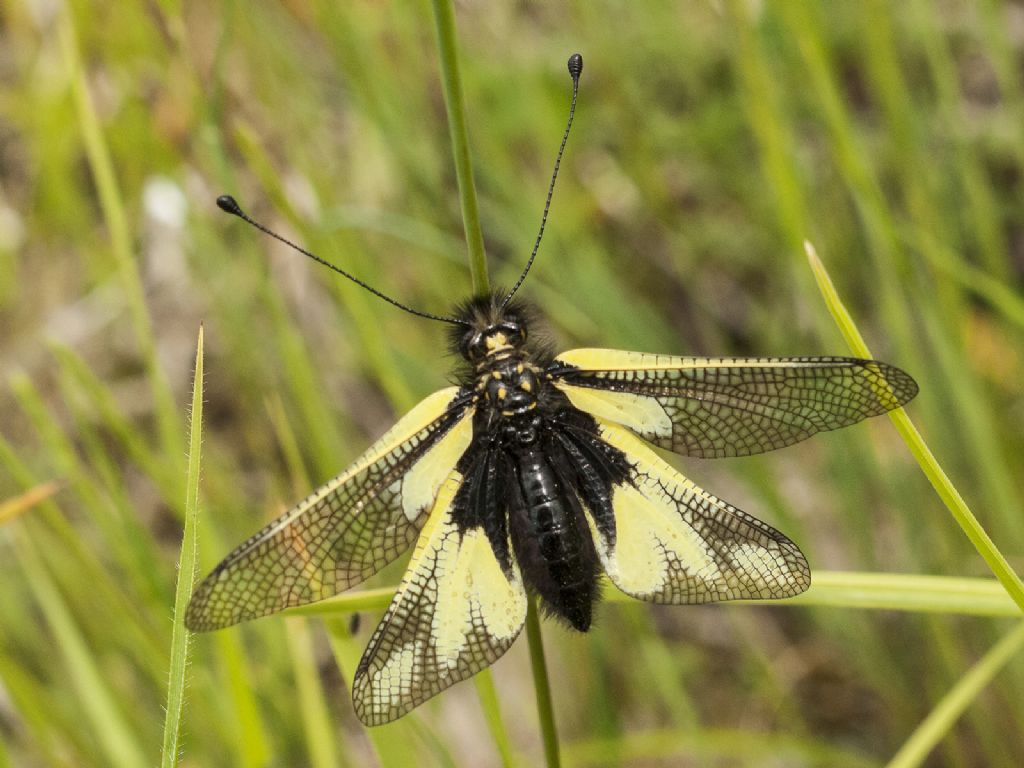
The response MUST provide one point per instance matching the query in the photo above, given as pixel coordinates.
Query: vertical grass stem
(945, 714)
(542, 687)
(444, 16)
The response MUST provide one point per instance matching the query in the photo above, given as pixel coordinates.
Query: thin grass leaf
(117, 740)
(251, 748)
(22, 503)
(946, 595)
(76, 373)
(350, 602)
(1000, 295)
(186, 574)
(33, 712)
(316, 720)
(393, 745)
(97, 488)
(321, 737)
(444, 18)
(833, 589)
(946, 712)
(542, 687)
(115, 217)
(488, 696)
(929, 465)
(712, 747)
(73, 563)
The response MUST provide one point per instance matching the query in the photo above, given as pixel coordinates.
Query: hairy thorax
(508, 383)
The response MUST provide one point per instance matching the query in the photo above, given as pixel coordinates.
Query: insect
(535, 475)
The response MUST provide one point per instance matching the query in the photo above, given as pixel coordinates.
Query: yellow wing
(348, 529)
(716, 407)
(455, 612)
(676, 543)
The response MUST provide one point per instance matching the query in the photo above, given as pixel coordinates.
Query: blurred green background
(710, 140)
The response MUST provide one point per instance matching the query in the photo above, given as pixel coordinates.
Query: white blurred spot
(43, 12)
(165, 209)
(164, 202)
(12, 229)
(302, 195)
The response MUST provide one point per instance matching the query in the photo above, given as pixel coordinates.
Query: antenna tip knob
(575, 66)
(228, 204)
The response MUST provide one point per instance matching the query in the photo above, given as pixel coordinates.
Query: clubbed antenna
(575, 69)
(228, 204)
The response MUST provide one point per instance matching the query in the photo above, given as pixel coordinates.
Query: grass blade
(186, 574)
(712, 746)
(921, 742)
(316, 720)
(488, 695)
(929, 465)
(117, 740)
(906, 592)
(392, 745)
(23, 502)
(444, 16)
(115, 217)
(542, 687)
(834, 589)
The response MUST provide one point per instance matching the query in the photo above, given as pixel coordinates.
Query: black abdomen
(551, 538)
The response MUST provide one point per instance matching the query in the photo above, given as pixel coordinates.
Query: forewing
(348, 529)
(676, 543)
(455, 613)
(717, 407)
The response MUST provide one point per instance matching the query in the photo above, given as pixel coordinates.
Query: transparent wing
(676, 543)
(455, 613)
(348, 529)
(717, 407)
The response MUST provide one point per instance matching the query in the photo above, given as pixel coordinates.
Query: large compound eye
(474, 347)
(514, 332)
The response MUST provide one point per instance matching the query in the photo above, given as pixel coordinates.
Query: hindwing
(674, 542)
(717, 407)
(455, 612)
(346, 530)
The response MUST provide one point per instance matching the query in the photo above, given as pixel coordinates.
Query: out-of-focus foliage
(710, 140)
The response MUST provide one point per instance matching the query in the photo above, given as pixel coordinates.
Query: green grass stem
(945, 714)
(316, 717)
(18, 505)
(394, 745)
(186, 573)
(833, 589)
(927, 461)
(710, 746)
(112, 205)
(491, 706)
(316, 720)
(117, 740)
(916, 593)
(444, 17)
(542, 687)
(251, 748)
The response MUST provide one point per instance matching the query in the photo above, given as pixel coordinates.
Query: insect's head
(478, 344)
(490, 328)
